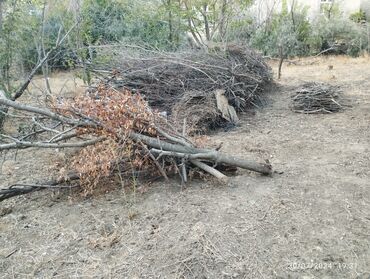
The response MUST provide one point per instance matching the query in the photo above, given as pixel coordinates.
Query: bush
(358, 17)
(16, 40)
(298, 36)
(342, 35)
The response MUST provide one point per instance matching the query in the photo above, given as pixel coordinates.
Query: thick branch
(203, 154)
(45, 112)
(16, 190)
(26, 144)
(210, 170)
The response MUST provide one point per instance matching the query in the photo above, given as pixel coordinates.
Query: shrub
(358, 16)
(342, 35)
(103, 21)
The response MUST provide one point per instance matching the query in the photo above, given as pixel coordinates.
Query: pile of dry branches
(317, 97)
(119, 134)
(199, 110)
(168, 79)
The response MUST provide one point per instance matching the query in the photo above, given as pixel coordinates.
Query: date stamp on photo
(296, 266)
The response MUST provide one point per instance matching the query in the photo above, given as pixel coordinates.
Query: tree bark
(13, 191)
(206, 23)
(1, 14)
(223, 20)
(3, 110)
(281, 61)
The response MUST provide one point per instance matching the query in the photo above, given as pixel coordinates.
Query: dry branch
(210, 170)
(21, 189)
(40, 111)
(27, 144)
(212, 156)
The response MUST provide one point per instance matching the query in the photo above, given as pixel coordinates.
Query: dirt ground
(310, 220)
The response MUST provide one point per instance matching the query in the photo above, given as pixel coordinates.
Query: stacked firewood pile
(317, 97)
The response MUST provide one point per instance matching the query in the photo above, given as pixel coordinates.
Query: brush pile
(199, 110)
(170, 80)
(317, 97)
(118, 134)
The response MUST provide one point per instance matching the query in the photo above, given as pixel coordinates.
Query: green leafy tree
(19, 24)
(288, 31)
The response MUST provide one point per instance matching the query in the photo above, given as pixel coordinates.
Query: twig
(183, 161)
(11, 253)
(324, 51)
(161, 170)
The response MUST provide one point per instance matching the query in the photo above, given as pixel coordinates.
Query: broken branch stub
(228, 112)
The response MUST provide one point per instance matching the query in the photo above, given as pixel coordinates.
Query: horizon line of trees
(31, 28)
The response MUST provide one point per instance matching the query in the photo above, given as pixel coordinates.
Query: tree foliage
(290, 30)
(342, 35)
(29, 28)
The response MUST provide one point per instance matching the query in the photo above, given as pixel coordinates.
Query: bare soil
(310, 220)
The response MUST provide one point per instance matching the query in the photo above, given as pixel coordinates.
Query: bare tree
(42, 60)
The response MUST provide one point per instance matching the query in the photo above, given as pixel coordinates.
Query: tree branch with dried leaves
(110, 127)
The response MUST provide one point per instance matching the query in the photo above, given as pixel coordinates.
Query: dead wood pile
(170, 81)
(117, 133)
(199, 110)
(318, 97)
